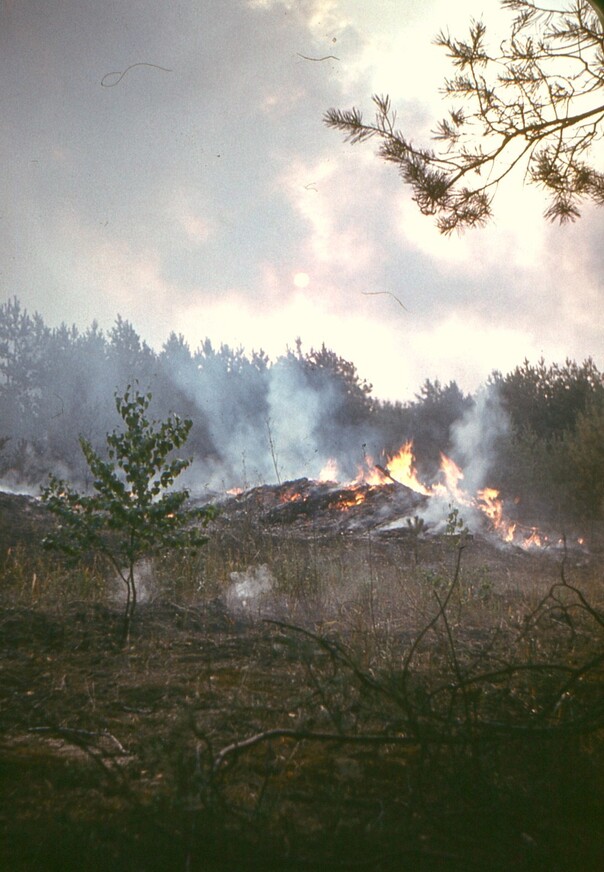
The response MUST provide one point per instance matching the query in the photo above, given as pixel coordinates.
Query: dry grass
(392, 731)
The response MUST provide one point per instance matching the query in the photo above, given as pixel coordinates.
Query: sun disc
(301, 280)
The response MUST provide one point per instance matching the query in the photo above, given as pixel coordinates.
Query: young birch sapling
(133, 512)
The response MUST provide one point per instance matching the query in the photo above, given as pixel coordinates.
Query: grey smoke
(275, 425)
(248, 589)
(475, 437)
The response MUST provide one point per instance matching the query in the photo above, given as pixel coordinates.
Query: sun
(301, 280)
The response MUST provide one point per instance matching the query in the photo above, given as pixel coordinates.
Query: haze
(168, 162)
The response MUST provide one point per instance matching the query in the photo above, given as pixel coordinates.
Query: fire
(399, 467)
(329, 472)
(451, 475)
(290, 496)
(492, 506)
(402, 469)
(369, 473)
(533, 540)
(352, 499)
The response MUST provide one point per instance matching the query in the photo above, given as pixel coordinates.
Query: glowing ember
(353, 499)
(291, 496)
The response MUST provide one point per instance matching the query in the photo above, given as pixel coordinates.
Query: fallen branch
(82, 739)
(81, 735)
(304, 736)
(485, 732)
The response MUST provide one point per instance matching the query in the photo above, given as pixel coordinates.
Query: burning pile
(386, 499)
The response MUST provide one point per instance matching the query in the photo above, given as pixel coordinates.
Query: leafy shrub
(133, 512)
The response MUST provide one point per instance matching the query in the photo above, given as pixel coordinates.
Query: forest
(299, 687)
(534, 433)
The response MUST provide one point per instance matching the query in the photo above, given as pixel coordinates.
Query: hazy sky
(200, 192)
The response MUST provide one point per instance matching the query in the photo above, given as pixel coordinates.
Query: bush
(133, 512)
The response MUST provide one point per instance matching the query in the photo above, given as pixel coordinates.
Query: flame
(368, 473)
(329, 472)
(492, 506)
(452, 475)
(399, 467)
(533, 540)
(402, 469)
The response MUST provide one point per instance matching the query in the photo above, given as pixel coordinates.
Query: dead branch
(87, 741)
(308, 736)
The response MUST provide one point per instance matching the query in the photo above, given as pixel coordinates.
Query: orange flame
(368, 473)
(533, 540)
(402, 469)
(492, 506)
(452, 475)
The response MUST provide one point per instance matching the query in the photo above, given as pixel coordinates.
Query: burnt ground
(126, 757)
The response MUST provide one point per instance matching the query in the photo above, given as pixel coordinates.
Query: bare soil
(130, 757)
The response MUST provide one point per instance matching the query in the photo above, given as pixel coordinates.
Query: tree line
(276, 418)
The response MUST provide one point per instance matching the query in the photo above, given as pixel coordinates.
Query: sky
(168, 162)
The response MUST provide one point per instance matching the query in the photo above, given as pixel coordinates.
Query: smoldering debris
(325, 508)
(385, 510)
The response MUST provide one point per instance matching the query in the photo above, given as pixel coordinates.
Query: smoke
(12, 484)
(297, 411)
(475, 437)
(254, 421)
(475, 440)
(270, 424)
(249, 589)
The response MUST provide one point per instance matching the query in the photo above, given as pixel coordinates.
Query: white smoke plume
(269, 427)
(475, 437)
